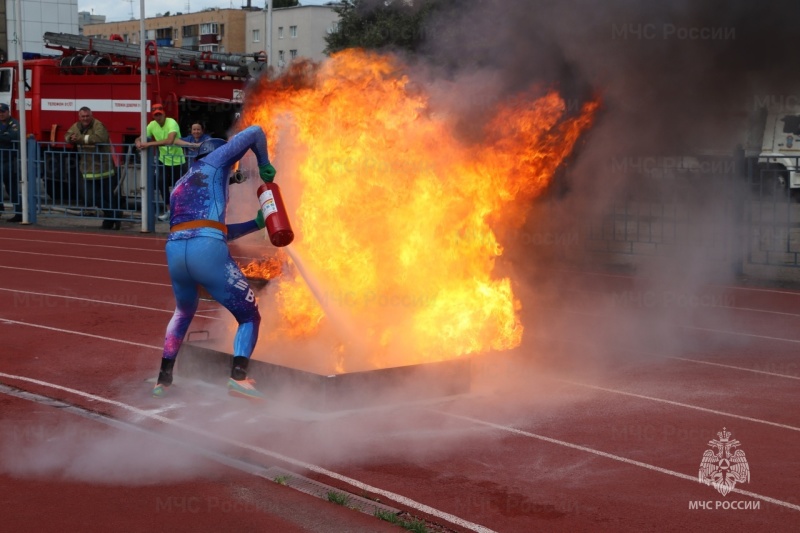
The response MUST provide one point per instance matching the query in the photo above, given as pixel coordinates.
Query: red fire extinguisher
(277, 221)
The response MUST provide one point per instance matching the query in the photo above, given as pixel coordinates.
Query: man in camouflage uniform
(97, 165)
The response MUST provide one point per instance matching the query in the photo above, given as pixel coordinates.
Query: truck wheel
(773, 181)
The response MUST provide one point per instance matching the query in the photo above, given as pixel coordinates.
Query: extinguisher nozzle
(281, 238)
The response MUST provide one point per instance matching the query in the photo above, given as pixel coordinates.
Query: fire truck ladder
(236, 65)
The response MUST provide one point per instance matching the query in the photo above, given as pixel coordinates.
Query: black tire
(772, 181)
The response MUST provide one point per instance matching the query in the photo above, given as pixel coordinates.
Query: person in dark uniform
(9, 160)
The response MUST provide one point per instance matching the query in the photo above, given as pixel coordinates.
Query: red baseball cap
(157, 109)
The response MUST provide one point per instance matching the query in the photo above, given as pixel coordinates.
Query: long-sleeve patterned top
(202, 193)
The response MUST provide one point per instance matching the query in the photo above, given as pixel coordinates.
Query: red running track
(597, 423)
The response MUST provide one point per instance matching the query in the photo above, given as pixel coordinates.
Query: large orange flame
(397, 218)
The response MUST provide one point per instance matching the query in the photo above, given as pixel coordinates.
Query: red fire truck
(104, 75)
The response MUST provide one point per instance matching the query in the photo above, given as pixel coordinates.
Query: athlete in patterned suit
(197, 253)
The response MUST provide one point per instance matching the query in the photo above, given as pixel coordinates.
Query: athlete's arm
(246, 228)
(251, 138)
(241, 229)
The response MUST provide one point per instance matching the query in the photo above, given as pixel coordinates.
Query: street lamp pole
(145, 159)
(21, 109)
(268, 24)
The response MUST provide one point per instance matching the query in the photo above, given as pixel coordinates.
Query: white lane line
(93, 258)
(710, 330)
(160, 241)
(656, 354)
(263, 451)
(754, 310)
(611, 456)
(102, 236)
(49, 328)
(103, 302)
(726, 332)
(608, 296)
(86, 276)
(68, 243)
(677, 404)
(85, 257)
(733, 367)
(625, 276)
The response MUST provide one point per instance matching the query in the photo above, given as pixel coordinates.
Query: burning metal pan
(326, 393)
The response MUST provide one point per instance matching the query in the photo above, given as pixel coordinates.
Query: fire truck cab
(780, 148)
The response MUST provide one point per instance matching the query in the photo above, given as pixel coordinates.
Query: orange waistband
(194, 224)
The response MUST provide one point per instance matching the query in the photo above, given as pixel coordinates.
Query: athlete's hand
(260, 219)
(267, 173)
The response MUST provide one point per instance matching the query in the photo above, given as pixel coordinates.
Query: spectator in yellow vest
(165, 133)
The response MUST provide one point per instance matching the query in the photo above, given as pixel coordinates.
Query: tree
(384, 24)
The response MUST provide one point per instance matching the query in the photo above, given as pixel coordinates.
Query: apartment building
(86, 18)
(212, 30)
(297, 31)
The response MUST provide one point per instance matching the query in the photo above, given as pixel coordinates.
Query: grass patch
(388, 516)
(282, 480)
(417, 526)
(339, 498)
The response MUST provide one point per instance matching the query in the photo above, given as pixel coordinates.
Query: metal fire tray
(325, 393)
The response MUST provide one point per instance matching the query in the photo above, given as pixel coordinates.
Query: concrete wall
(756, 239)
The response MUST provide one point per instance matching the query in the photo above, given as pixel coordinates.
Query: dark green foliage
(375, 24)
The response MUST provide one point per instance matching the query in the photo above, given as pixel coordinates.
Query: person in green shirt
(165, 133)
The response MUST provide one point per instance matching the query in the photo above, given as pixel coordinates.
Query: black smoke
(670, 73)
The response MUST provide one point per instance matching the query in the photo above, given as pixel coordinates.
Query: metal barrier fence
(103, 185)
(668, 206)
(731, 209)
(773, 215)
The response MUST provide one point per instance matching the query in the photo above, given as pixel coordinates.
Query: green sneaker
(244, 388)
(160, 390)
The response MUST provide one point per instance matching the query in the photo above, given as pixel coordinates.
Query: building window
(293, 31)
(293, 53)
(209, 48)
(280, 32)
(256, 36)
(191, 31)
(5, 80)
(209, 29)
(281, 56)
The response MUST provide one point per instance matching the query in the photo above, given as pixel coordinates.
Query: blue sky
(118, 10)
